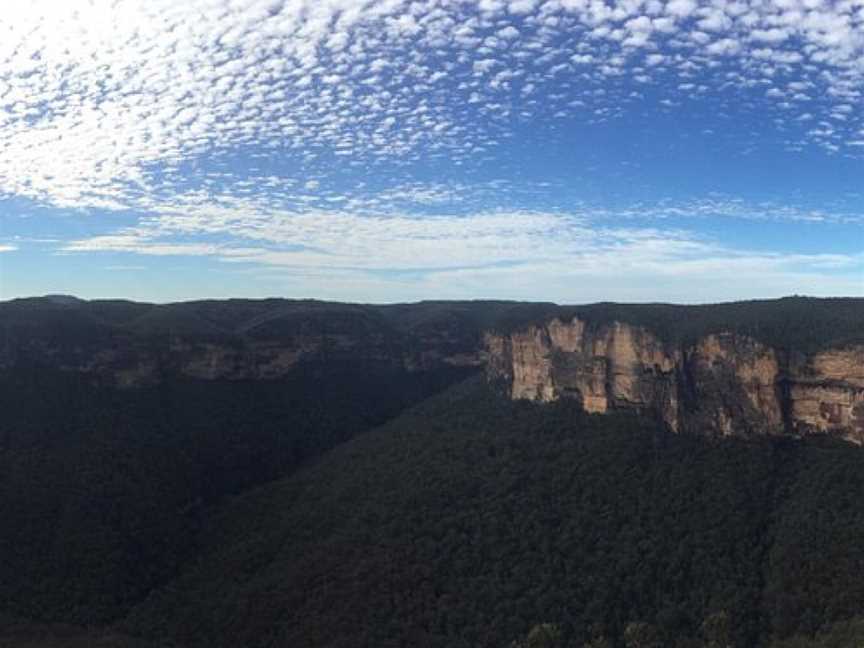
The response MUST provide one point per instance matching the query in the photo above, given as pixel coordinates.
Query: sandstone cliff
(709, 371)
(131, 362)
(132, 344)
(724, 383)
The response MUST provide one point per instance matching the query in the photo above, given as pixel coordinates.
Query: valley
(434, 474)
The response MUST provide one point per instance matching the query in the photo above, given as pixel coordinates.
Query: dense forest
(356, 501)
(804, 324)
(470, 520)
(102, 490)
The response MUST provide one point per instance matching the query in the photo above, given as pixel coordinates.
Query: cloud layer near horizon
(530, 255)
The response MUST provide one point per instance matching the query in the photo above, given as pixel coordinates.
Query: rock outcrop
(132, 363)
(132, 345)
(719, 382)
(724, 384)
(826, 393)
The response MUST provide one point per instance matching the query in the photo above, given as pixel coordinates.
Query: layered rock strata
(724, 384)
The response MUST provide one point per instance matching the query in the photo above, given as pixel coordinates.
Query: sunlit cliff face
(725, 383)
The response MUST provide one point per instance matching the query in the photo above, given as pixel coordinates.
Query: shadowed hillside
(471, 519)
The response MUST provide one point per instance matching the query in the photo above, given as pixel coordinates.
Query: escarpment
(132, 345)
(773, 367)
(826, 393)
(723, 383)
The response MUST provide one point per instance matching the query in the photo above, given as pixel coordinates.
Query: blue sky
(396, 150)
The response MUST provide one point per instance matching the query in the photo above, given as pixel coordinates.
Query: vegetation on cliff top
(802, 324)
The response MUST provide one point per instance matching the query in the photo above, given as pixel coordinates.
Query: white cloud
(489, 253)
(756, 276)
(715, 20)
(104, 103)
(681, 8)
(732, 208)
(774, 35)
(724, 46)
(509, 32)
(484, 65)
(521, 6)
(8, 247)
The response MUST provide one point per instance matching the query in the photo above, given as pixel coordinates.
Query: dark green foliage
(815, 567)
(543, 635)
(845, 634)
(801, 324)
(70, 324)
(638, 634)
(471, 520)
(18, 634)
(717, 630)
(102, 489)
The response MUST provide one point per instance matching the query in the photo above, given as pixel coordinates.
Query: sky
(398, 150)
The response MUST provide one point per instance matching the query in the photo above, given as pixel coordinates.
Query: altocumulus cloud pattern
(371, 150)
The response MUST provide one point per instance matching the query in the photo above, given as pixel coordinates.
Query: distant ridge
(64, 299)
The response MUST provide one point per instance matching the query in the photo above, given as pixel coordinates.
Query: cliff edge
(724, 383)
